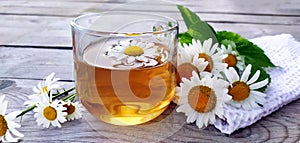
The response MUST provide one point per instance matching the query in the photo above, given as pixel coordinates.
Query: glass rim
(74, 24)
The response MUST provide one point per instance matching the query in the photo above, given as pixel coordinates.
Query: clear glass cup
(125, 65)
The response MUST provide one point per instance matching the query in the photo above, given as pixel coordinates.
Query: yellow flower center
(230, 60)
(44, 90)
(50, 113)
(239, 91)
(134, 51)
(3, 125)
(202, 98)
(185, 70)
(207, 58)
(70, 109)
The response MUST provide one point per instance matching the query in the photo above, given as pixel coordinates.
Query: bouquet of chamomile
(217, 70)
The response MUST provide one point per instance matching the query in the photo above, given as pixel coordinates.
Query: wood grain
(54, 32)
(281, 126)
(29, 63)
(36, 40)
(47, 23)
(254, 7)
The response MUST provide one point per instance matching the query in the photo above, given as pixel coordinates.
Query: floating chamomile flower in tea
(134, 52)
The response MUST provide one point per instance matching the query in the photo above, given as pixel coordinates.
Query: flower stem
(63, 93)
(26, 110)
(70, 97)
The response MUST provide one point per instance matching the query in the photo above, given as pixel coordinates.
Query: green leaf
(253, 54)
(226, 43)
(197, 28)
(189, 17)
(185, 38)
(202, 31)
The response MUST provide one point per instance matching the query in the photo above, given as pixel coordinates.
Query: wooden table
(36, 40)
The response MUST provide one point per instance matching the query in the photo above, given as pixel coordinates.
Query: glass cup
(124, 65)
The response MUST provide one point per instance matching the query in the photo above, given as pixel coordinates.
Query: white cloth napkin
(284, 51)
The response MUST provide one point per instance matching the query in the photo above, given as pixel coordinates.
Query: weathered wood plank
(35, 63)
(56, 31)
(281, 126)
(19, 66)
(266, 7)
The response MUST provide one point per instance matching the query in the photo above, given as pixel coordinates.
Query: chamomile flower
(186, 64)
(49, 84)
(243, 90)
(73, 109)
(49, 112)
(210, 53)
(202, 99)
(233, 58)
(8, 132)
(137, 53)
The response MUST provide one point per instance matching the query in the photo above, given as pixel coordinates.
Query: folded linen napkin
(284, 51)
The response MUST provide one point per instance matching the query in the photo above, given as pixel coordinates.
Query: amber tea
(123, 61)
(123, 94)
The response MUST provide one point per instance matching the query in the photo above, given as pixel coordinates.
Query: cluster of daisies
(211, 77)
(49, 109)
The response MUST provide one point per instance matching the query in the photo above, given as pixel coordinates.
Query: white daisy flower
(243, 90)
(46, 86)
(210, 53)
(186, 64)
(138, 53)
(232, 57)
(73, 110)
(8, 132)
(202, 99)
(48, 112)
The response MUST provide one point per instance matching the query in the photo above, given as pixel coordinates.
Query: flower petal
(12, 115)
(259, 84)
(199, 121)
(254, 77)
(235, 76)
(3, 107)
(246, 105)
(49, 78)
(9, 138)
(246, 73)
(16, 133)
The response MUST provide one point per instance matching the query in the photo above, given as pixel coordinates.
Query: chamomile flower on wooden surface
(210, 53)
(49, 84)
(8, 132)
(202, 99)
(73, 110)
(50, 112)
(232, 57)
(244, 89)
